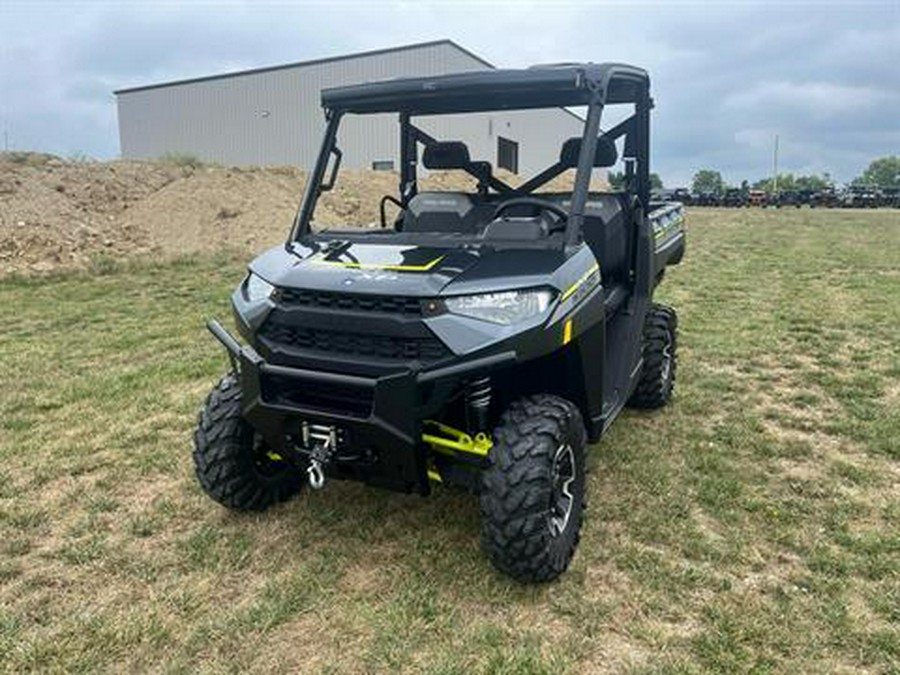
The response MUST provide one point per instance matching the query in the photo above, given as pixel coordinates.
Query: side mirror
(336, 164)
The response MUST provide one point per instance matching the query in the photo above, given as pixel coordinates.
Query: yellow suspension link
(453, 441)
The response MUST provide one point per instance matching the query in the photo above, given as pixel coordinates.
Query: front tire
(533, 491)
(657, 378)
(230, 459)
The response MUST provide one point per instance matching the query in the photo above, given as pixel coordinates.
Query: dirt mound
(56, 213)
(216, 208)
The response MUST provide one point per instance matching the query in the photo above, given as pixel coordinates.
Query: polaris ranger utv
(477, 339)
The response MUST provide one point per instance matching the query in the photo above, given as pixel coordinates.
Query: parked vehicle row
(851, 197)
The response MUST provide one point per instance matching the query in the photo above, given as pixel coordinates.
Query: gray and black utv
(479, 339)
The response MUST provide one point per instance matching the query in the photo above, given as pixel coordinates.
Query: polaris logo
(379, 276)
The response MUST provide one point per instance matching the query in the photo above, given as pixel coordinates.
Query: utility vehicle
(890, 197)
(706, 198)
(735, 198)
(479, 339)
(758, 198)
(683, 195)
(861, 197)
(789, 198)
(825, 198)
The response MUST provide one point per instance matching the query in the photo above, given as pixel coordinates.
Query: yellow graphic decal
(574, 287)
(567, 332)
(376, 266)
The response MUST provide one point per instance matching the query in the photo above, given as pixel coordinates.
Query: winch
(320, 441)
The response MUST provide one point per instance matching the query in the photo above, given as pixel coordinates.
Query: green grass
(752, 526)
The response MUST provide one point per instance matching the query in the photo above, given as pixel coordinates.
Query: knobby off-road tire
(231, 463)
(657, 379)
(530, 528)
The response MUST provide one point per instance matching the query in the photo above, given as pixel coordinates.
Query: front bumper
(379, 417)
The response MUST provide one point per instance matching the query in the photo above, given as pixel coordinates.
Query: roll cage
(568, 85)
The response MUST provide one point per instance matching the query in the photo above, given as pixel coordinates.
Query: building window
(507, 154)
(383, 165)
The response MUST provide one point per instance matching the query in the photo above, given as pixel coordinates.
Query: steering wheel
(542, 204)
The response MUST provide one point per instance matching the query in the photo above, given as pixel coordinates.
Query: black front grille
(355, 344)
(295, 297)
(325, 397)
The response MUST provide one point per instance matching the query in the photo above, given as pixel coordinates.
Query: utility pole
(775, 171)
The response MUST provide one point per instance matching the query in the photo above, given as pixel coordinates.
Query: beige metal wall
(275, 117)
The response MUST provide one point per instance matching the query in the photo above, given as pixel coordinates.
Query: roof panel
(538, 87)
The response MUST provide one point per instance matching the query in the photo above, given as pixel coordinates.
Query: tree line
(883, 172)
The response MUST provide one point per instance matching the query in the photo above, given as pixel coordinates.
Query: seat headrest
(605, 155)
(446, 155)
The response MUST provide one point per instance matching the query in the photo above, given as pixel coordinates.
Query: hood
(411, 271)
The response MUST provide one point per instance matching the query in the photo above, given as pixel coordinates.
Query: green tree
(883, 172)
(788, 181)
(812, 182)
(655, 182)
(768, 184)
(707, 180)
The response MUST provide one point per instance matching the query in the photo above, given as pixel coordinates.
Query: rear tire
(657, 378)
(533, 492)
(230, 459)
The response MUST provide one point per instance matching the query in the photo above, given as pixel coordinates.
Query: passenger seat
(605, 231)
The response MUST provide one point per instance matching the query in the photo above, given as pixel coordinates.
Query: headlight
(256, 288)
(505, 308)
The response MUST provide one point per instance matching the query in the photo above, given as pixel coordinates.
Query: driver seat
(450, 155)
(450, 212)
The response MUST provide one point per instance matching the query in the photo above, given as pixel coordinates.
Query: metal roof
(303, 64)
(536, 87)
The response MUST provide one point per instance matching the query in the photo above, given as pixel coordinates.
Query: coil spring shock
(478, 404)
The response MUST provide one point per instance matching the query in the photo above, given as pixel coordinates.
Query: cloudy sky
(727, 76)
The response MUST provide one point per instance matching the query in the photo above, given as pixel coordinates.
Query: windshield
(524, 175)
(482, 155)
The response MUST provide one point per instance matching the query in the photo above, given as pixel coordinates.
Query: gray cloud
(727, 76)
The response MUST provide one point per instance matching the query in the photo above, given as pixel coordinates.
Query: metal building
(272, 116)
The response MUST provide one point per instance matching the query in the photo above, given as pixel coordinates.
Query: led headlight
(506, 308)
(256, 288)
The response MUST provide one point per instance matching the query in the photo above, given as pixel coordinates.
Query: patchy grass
(753, 526)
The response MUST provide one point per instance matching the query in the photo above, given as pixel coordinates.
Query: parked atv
(479, 339)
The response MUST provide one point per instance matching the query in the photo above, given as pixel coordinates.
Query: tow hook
(323, 440)
(315, 474)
